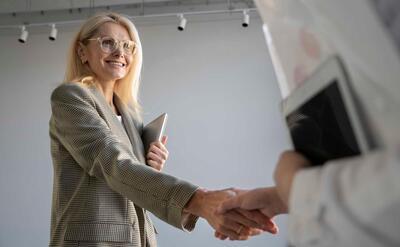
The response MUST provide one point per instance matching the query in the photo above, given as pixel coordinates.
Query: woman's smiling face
(108, 65)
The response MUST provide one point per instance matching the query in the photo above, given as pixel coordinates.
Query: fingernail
(269, 224)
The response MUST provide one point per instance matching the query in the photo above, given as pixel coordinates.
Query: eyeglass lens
(110, 45)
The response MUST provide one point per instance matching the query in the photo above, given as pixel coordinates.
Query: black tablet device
(322, 117)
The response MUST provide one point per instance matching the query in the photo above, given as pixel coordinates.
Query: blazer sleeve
(85, 134)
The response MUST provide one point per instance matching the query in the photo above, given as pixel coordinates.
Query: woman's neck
(107, 88)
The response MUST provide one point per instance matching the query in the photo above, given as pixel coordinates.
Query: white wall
(215, 80)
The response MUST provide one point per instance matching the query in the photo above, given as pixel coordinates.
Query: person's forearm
(274, 200)
(284, 185)
(288, 166)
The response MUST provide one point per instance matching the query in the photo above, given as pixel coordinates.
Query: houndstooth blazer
(102, 186)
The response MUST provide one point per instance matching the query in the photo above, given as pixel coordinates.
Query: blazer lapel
(129, 134)
(133, 134)
(109, 115)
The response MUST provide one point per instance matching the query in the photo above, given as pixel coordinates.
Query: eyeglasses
(110, 45)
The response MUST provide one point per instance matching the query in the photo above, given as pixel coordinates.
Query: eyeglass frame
(99, 40)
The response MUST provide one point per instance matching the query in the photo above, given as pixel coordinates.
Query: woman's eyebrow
(108, 35)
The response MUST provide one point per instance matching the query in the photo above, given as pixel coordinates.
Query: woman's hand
(255, 205)
(290, 162)
(157, 154)
(232, 224)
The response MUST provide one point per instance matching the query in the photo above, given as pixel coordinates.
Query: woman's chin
(117, 76)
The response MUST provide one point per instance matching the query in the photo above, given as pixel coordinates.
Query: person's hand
(233, 225)
(255, 205)
(157, 154)
(266, 200)
(290, 162)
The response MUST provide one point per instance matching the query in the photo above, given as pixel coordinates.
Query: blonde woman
(103, 181)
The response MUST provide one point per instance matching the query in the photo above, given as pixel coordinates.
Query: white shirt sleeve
(349, 202)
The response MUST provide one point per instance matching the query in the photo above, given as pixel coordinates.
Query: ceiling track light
(24, 35)
(246, 18)
(181, 27)
(182, 22)
(53, 32)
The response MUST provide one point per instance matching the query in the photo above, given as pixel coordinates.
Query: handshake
(240, 214)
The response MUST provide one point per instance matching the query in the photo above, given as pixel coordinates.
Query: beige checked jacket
(102, 186)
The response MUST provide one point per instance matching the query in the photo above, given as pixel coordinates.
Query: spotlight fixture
(246, 19)
(53, 32)
(24, 35)
(182, 22)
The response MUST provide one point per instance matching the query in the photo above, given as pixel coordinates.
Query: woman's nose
(119, 51)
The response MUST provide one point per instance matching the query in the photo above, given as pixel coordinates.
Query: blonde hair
(126, 88)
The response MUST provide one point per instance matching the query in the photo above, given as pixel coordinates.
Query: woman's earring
(83, 61)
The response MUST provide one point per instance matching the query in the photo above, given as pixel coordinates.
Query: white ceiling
(9, 6)
(14, 13)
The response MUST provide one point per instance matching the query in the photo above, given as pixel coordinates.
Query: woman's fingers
(241, 234)
(155, 157)
(232, 228)
(236, 216)
(255, 232)
(159, 149)
(220, 235)
(164, 140)
(252, 219)
(252, 232)
(228, 224)
(160, 145)
(262, 221)
(155, 165)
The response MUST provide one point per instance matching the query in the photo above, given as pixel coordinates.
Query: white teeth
(116, 63)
